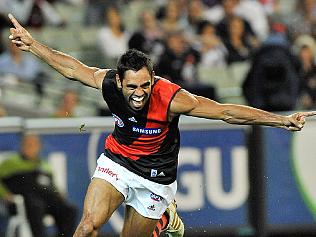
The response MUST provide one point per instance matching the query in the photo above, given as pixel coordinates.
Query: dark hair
(134, 60)
(202, 24)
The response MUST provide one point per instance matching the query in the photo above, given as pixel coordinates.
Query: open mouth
(137, 102)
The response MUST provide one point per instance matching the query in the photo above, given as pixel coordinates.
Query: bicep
(193, 105)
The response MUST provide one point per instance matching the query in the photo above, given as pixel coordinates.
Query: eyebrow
(142, 85)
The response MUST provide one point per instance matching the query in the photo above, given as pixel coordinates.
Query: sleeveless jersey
(144, 141)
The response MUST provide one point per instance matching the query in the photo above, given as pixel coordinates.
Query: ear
(118, 81)
(153, 77)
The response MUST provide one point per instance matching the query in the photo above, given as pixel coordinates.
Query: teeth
(138, 99)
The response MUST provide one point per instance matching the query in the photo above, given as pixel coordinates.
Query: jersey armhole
(168, 110)
(110, 74)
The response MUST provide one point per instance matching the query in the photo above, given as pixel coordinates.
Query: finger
(14, 21)
(17, 42)
(308, 114)
(12, 30)
(14, 36)
(292, 128)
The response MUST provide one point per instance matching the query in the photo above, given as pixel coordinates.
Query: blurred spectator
(238, 43)
(67, 107)
(133, 11)
(112, 38)
(306, 47)
(34, 13)
(194, 16)
(179, 62)
(148, 38)
(254, 13)
(27, 174)
(211, 3)
(278, 33)
(3, 111)
(273, 80)
(229, 12)
(18, 66)
(95, 9)
(171, 19)
(213, 52)
(282, 7)
(303, 20)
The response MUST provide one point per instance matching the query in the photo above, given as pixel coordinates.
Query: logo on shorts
(108, 172)
(153, 173)
(118, 121)
(155, 197)
(151, 207)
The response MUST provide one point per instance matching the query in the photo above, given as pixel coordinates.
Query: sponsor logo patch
(153, 173)
(132, 119)
(161, 174)
(118, 121)
(108, 172)
(155, 197)
(151, 207)
(147, 131)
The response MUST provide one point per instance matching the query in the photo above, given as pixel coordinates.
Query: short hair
(134, 60)
(202, 24)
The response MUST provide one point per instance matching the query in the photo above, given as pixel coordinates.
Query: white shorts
(148, 198)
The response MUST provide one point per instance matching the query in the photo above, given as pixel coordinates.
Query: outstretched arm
(197, 106)
(63, 63)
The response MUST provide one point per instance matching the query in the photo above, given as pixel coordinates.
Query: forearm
(63, 63)
(240, 114)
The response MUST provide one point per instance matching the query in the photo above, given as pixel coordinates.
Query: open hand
(296, 121)
(19, 35)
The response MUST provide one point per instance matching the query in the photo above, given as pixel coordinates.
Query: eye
(131, 87)
(146, 85)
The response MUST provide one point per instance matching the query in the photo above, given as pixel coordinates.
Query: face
(31, 147)
(306, 55)
(176, 43)
(236, 26)
(70, 100)
(229, 6)
(113, 17)
(136, 87)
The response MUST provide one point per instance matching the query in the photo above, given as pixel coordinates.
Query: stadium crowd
(261, 52)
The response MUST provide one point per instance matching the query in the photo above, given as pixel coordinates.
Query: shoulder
(164, 86)
(10, 162)
(182, 103)
(99, 76)
(109, 87)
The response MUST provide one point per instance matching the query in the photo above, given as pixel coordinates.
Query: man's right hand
(19, 35)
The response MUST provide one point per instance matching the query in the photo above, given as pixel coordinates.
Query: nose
(139, 92)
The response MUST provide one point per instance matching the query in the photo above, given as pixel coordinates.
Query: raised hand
(296, 121)
(19, 35)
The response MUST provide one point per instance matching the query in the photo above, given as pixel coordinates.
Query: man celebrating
(139, 163)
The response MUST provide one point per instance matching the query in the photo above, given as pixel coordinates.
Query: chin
(136, 109)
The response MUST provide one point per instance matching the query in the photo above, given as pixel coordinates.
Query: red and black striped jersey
(144, 141)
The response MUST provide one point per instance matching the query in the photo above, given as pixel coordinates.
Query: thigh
(101, 200)
(136, 225)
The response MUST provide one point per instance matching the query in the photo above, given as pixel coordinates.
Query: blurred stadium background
(233, 181)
